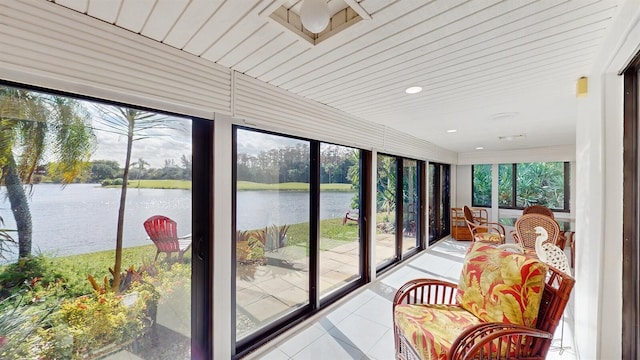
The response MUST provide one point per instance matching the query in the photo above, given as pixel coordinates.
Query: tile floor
(360, 326)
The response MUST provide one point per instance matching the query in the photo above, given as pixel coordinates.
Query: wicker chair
(484, 340)
(526, 235)
(541, 209)
(484, 231)
(538, 209)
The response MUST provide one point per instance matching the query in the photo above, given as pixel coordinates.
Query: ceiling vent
(343, 14)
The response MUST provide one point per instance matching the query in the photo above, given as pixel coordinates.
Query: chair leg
(157, 253)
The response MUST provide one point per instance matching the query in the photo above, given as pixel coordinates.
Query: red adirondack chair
(164, 233)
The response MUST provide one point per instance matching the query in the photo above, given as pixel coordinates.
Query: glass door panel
(340, 247)
(272, 228)
(410, 201)
(386, 210)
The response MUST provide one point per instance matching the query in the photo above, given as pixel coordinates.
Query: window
(53, 235)
(481, 185)
(299, 237)
(524, 184)
(340, 245)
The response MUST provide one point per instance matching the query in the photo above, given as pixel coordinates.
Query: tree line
(97, 171)
(292, 164)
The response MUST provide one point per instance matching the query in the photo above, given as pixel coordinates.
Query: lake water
(83, 218)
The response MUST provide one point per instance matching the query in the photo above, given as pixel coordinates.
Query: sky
(163, 144)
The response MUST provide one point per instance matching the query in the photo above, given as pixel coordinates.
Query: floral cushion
(501, 286)
(488, 238)
(431, 329)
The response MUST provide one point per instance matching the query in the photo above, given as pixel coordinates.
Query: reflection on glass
(410, 194)
(54, 236)
(439, 202)
(339, 221)
(386, 209)
(445, 207)
(272, 228)
(433, 230)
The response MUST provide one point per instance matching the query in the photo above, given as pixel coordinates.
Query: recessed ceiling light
(413, 89)
(480, 148)
(452, 131)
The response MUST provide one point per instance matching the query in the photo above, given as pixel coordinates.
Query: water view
(82, 218)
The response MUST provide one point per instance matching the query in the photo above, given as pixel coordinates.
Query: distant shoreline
(248, 185)
(242, 185)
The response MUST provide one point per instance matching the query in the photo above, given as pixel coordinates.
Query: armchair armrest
(496, 227)
(426, 291)
(495, 340)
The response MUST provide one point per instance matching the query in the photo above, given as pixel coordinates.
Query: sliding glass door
(439, 201)
(298, 230)
(399, 199)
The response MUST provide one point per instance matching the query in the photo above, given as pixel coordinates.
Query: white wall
(463, 186)
(599, 181)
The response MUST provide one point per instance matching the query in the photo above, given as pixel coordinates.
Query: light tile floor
(360, 325)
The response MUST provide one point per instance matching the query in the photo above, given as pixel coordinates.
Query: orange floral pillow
(501, 286)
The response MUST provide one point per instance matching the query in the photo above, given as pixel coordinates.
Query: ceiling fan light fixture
(315, 15)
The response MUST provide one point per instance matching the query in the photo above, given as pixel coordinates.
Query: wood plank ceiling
(488, 68)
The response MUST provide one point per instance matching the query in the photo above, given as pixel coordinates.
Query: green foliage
(536, 183)
(5, 239)
(106, 182)
(354, 176)
(45, 277)
(505, 185)
(56, 319)
(169, 279)
(33, 125)
(250, 247)
(104, 169)
(387, 183)
(86, 324)
(482, 185)
(18, 322)
(540, 183)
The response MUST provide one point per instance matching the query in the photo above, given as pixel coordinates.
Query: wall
(463, 186)
(599, 134)
(551, 153)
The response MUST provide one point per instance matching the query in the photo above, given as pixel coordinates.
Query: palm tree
(140, 164)
(136, 125)
(34, 125)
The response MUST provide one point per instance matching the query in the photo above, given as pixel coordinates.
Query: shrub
(42, 274)
(86, 324)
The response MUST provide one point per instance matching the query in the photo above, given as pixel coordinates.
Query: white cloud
(163, 144)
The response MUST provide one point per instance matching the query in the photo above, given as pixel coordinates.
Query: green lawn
(161, 184)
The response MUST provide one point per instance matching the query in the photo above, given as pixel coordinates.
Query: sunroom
(304, 165)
